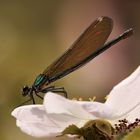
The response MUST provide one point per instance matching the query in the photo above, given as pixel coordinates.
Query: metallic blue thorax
(39, 81)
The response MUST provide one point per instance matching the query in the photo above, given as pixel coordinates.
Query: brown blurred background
(35, 32)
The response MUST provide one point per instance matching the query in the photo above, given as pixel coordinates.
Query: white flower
(57, 112)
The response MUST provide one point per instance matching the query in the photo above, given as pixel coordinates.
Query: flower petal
(35, 121)
(32, 119)
(99, 110)
(55, 103)
(83, 109)
(125, 96)
(131, 117)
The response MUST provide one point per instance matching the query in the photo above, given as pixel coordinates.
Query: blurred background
(34, 33)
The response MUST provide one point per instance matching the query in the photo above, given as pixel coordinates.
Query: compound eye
(25, 90)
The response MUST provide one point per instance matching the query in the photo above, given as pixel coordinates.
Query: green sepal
(119, 136)
(72, 130)
(134, 135)
(92, 130)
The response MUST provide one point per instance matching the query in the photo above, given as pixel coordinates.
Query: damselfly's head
(25, 90)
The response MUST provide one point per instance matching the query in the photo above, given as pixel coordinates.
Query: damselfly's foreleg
(32, 98)
(24, 102)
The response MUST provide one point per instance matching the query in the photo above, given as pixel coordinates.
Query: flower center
(124, 127)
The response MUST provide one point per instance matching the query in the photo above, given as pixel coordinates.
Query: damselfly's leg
(38, 96)
(32, 98)
(60, 90)
(44, 91)
(25, 102)
(56, 89)
(48, 88)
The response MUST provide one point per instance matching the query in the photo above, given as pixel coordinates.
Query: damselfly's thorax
(37, 86)
(41, 81)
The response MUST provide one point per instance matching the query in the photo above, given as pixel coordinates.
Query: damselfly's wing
(82, 50)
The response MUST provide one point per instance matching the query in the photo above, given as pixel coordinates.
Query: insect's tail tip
(128, 33)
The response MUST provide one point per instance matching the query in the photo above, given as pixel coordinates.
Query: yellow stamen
(92, 99)
(80, 99)
(74, 99)
(106, 97)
